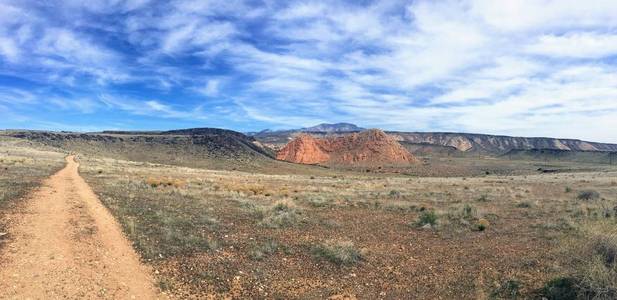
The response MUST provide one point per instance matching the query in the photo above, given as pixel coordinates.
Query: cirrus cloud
(509, 67)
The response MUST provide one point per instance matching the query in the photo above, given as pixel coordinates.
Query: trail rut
(66, 244)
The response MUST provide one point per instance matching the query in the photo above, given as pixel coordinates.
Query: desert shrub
(268, 248)
(524, 204)
(568, 189)
(510, 289)
(483, 198)
(156, 182)
(394, 194)
(400, 206)
(605, 247)
(338, 252)
(561, 224)
(427, 217)
(153, 182)
(469, 211)
(483, 224)
(588, 195)
(562, 288)
(460, 217)
(282, 214)
(593, 263)
(256, 189)
(164, 284)
(319, 201)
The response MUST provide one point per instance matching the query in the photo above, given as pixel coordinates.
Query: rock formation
(305, 149)
(370, 147)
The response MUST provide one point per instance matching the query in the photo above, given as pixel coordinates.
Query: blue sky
(530, 68)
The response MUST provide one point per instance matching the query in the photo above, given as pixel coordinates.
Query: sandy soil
(66, 244)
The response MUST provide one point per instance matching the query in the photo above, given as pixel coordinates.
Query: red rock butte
(371, 147)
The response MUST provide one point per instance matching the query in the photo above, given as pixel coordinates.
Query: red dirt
(67, 245)
(370, 147)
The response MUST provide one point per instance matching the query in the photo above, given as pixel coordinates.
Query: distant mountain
(464, 142)
(329, 128)
(321, 128)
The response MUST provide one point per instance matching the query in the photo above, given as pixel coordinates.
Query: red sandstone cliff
(370, 147)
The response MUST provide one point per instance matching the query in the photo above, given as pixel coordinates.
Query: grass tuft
(338, 252)
(282, 214)
(588, 195)
(259, 252)
(427, 217)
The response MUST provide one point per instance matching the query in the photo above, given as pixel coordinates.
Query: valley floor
(505, 231)
(250, 235)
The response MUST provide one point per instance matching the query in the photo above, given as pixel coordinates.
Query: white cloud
(154, 108)
(512, 66)
(9, 49)
(575, 45)
(212, 88)
(542, 15)
(66, 44)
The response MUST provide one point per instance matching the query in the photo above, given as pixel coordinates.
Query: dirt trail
(67, 245)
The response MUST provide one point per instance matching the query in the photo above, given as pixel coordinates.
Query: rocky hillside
(494, 144)
(465, 142)
(202, 147)
(371, 147)
(552, 155)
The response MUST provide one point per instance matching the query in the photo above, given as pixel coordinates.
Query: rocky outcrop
(370, 147)
(305, 149)
(465, 142)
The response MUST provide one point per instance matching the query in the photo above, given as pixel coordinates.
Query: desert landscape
(221, 217)
(308, 149)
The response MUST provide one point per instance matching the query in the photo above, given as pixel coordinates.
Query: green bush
(563, 288)
(427, 217)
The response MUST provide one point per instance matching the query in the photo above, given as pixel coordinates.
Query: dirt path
(67, 245)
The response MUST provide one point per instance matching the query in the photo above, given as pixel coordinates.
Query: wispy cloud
(153, 108)
(513, 67)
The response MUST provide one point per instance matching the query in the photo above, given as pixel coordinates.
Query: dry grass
(218, 225)
(342, 253)
(592, 262)
(22, 168)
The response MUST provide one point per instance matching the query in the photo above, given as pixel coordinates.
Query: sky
(524, 68)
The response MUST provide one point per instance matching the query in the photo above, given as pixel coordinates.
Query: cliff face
(304, 149)
(498, 144)
(371, 147)
(466, 142)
